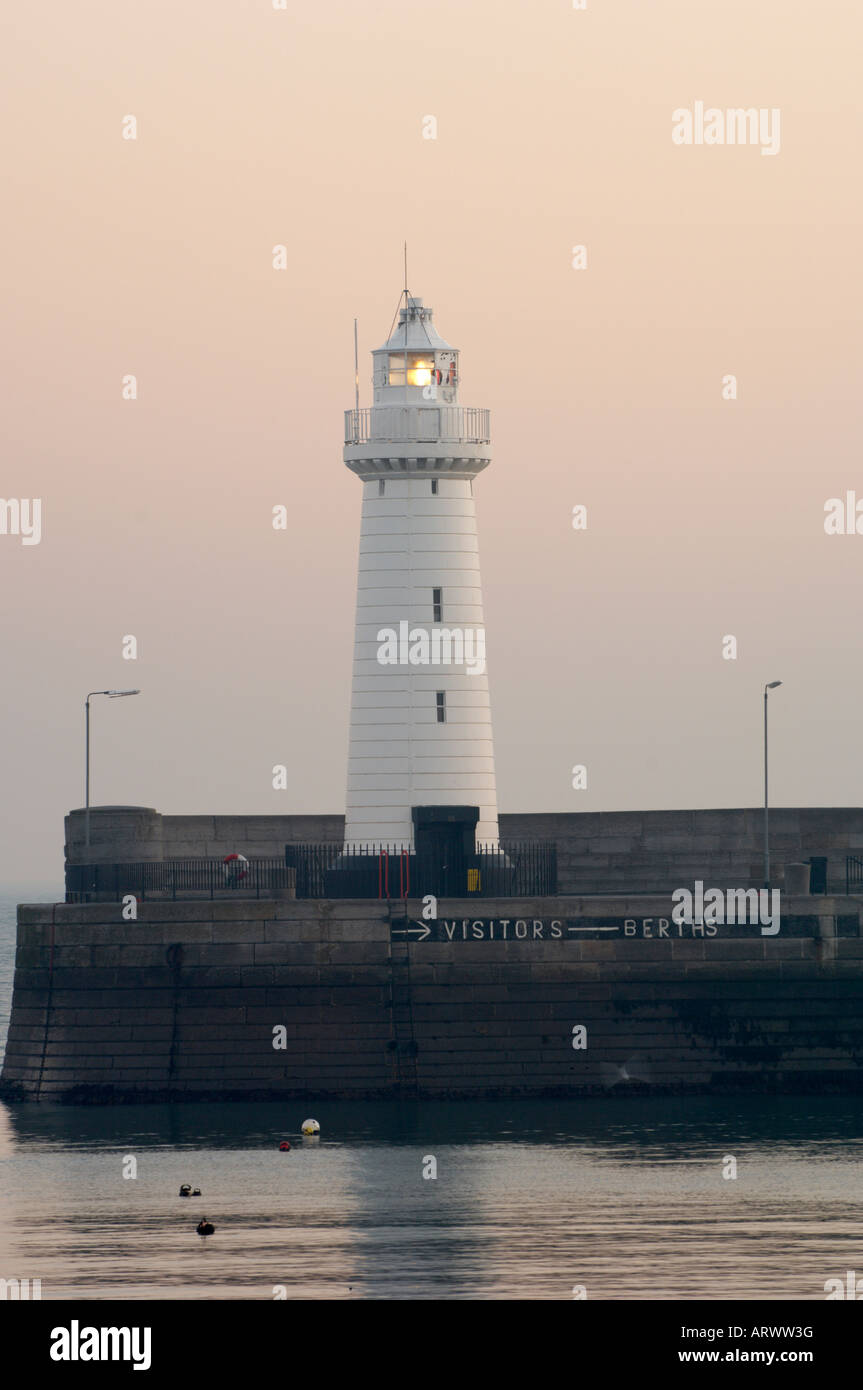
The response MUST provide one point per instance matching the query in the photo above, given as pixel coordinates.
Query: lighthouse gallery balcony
(450, 424)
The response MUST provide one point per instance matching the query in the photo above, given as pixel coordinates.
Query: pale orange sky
(304, 127)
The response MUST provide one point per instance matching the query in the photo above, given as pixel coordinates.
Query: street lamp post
(112, 695)
(771, 685)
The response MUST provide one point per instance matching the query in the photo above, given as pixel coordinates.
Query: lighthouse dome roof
(414, 330)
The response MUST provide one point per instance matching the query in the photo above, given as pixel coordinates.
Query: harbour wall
(189, 1001)
(597, 852)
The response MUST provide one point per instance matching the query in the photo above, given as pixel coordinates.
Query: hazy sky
(304, 127)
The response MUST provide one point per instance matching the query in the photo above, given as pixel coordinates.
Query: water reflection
(625, 1196)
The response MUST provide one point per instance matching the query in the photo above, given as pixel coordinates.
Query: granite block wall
(598, 852)
(184, 1001)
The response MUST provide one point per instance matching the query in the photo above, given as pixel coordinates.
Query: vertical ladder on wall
(403, 1044)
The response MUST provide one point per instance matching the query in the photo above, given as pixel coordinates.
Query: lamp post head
(115, 694)
(771, 685)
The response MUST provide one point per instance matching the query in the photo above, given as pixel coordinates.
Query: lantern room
(415, 365)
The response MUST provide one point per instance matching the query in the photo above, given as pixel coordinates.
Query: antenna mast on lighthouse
(356, 372)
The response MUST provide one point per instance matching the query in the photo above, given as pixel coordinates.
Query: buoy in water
(205, 1227)
(284, 1146)
(311, 1127)
(186, 1190)
(196, 1191)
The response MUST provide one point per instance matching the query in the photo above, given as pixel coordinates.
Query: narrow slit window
(440, 699)
(437, 605)
(381, 487)
(434, 482)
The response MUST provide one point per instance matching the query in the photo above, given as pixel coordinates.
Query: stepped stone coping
(348, 909)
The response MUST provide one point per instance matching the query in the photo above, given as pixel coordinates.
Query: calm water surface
(625, 1196)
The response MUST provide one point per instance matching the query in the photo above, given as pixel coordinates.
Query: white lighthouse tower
(421, 761)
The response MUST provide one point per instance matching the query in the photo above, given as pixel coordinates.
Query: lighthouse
(421, 759)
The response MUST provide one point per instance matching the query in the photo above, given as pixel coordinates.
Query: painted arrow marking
(422, 927)
(593, 929)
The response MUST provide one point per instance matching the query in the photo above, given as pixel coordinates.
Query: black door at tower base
(444, 862)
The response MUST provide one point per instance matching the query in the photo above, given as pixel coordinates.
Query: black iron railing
(176, 878)
(853, 874)
(509, 870)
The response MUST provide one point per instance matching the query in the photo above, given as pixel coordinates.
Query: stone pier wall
(597, 852)
(184, 1001)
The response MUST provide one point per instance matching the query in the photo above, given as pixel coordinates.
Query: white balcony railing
(449, 424)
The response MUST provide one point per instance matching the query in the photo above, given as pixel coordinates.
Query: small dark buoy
(205, 1227)
(185, 1190)
(284, 1147)
(196, 1191)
